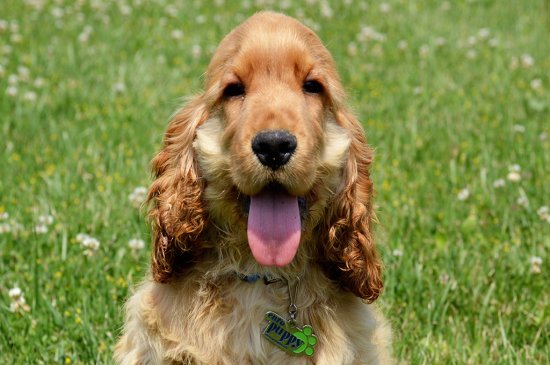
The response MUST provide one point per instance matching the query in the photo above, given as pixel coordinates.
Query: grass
(452, 95)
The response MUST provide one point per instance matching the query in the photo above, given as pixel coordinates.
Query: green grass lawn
(454, 99)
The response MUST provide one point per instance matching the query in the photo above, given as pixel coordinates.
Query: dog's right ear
(177, 211)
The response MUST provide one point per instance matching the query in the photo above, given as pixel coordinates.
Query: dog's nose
(274, 147)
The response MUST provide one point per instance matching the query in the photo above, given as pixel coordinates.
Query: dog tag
(289, 338)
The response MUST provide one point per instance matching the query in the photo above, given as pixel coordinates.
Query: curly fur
(192, 308)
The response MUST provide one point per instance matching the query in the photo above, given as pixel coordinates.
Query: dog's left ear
(177, 211)
(350, 255)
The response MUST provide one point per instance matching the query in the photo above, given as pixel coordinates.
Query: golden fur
(193, 308)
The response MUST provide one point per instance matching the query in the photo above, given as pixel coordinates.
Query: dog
(262, 217)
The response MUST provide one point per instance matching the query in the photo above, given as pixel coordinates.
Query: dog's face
(276, 160)
(271, 130)
(273, 104)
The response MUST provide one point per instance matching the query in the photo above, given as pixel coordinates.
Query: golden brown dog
(263, 176)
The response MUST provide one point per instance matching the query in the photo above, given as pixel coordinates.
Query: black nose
(274, 147)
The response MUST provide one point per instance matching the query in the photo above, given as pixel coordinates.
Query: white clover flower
(484, 33)
(444, 278)
(285, 4)
(397, 253)
(9, 226)
(418, 90)
(81, 237)
(200, 19)
(196, 50)
(424, 50)
(514, 173)
(19, 306)
(536, 84)
(326, 10)
(84, 37)
(544, 213)
(523, 201)
(57, 12)
(13, 80)
(41, 229)
(385, 8)
(513, 176)
(3, 25)
(471, 54)
(177, 34)
(125, 9)
(14, 27)
(39, 82)
(4, 216)
(519, 128)
(499, 183)
(5, 227)
(368, 33)
(472, 40)
(15, 293)
(493, 42)
(136, 244)
(23, 73)
(463, 194)
(402, 44)
(527, 60)
(440, 41)
(11, 91)
(18, 302)
(119, 87)
(91, 243)
(138, 196)
(543, 136)
(88, 242)
(536, 263)
(29, 96)
(46, 219)
(16, 38)
(171, 10)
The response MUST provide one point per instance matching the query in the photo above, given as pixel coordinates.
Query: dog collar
(252, 278)
(285, 334)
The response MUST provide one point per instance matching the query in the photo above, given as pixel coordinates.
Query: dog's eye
(313, 87)
(234, 89)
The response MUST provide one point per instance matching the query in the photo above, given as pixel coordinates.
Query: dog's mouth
(274, 225)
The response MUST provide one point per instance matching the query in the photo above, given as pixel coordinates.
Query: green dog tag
(289, 338)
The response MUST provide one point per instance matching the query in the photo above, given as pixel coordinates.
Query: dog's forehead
(269, 43)
(274, 53)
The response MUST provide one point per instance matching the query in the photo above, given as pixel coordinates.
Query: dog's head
(268, 155)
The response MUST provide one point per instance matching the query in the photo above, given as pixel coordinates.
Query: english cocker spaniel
(262, 211)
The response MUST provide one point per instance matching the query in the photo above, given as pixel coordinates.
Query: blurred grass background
(454, 99)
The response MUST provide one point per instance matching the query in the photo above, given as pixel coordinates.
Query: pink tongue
(273, 227)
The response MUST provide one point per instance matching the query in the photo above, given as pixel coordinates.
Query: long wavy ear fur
(350, 257)
(177, 211)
